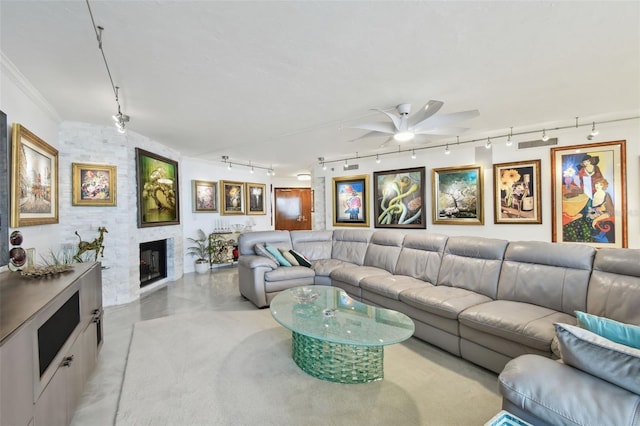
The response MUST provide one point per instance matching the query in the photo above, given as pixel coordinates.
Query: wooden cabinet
(51, 334)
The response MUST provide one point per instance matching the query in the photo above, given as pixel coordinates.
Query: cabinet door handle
(95, 312)
(96, 319)
(67, 361)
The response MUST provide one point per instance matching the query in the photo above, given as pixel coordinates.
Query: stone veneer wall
(86, 143)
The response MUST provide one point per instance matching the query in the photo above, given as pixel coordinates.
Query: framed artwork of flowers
(589, 194)
(205, 196)
(93, 185)
(516, 192)
(457, 195)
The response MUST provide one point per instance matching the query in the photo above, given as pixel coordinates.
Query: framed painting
(34, 174)
(256, 193)
(516, 192)
(232, 197)
(93, 185)
(4, 190)
(457, 195)
(158, 190)
(205, 196)
(588, 193)
(399, 198)
(350, 201)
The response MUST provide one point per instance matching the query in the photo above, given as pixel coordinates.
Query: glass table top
(328, 313)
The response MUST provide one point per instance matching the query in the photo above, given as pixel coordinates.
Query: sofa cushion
(625, 334)
(350, 245)
(421, 256)
(391, 286)
(248, 240)
(600, 357)
(524, 323)
(472, 263)
(447, 302)
(354, 274)
(292, 273)
(314, 245)
(262, 251)
(561, 395)
(276, 253)
(384, 249)
(300, 259)
(552, 275)
(324, 267)
(614, 286)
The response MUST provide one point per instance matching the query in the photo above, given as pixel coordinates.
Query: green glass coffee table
(336, 338)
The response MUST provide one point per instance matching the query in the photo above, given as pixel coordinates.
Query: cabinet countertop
(22, 297)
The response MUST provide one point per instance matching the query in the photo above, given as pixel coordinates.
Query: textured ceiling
(279, 83)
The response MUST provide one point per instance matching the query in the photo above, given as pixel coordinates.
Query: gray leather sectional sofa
(490, 301)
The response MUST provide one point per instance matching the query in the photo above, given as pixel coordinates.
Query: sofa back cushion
(614, 286)
(278, 239)
(421, 255)
(350, 245)
(315, 245)
(384, 249)
(555, 276)
(472, 263)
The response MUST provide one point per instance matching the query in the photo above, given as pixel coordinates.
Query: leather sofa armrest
(255, 261)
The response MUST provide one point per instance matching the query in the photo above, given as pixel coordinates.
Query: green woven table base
(337, 362)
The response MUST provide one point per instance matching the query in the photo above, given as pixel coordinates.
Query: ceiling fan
(404, 128)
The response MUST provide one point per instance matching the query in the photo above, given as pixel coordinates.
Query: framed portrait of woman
(589, 201)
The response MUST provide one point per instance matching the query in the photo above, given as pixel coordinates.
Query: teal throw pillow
(302, 261)
(261, 251)
(625, 334)
(276, 253)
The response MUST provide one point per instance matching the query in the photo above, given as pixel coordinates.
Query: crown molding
(9, 69)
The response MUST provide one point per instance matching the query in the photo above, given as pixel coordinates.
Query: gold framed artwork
(93, 185)
(205, 196)
(34, 174)
(457, 195)
(588, 192)
(232, 198)
(350, 201)
(516, 192)
(256, 201)
(158, 190)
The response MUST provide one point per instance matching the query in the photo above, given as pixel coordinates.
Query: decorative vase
(202, 267)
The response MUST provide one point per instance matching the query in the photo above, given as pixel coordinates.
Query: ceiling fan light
(403, 136)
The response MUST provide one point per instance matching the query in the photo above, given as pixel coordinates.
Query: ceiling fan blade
(425, 112)
(396, 120)
(445, 119)
(448, 131)
(377, 127)
(368, 135)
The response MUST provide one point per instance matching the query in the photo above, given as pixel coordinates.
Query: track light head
(545, 137)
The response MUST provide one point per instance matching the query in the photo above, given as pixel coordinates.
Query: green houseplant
(200, 249)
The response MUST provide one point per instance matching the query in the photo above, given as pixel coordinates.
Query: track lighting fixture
(119, 118)
(487, 141)
(413, 154)
(545, 137)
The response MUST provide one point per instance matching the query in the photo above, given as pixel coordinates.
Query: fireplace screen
(153, 261)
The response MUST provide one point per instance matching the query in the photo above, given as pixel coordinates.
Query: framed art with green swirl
(158, 196)
(588, 193)
(399, 198)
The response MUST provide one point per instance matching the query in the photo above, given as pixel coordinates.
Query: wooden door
(293, 209)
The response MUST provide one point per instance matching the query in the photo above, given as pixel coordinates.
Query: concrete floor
(215, 290)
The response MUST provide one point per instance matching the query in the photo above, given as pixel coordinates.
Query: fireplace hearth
(153, 261)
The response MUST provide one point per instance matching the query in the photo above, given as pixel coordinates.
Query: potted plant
(200, 250)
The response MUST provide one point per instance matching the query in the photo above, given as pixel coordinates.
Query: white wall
(466, 154)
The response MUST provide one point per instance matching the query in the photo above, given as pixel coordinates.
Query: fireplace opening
(153, 261)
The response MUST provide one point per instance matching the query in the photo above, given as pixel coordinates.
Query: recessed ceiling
(280, 83)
